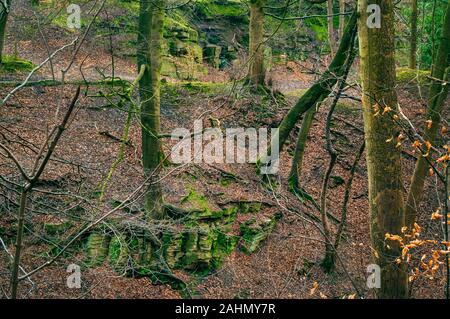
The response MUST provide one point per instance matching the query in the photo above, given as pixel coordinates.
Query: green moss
(249, 207)
(319, 27)
(11, 64)
(97, 248)
(54, 229)
(222, 247)
(173, 249)
(197, 200)
(253, 233)
(118, 253)
(296, 93)
(407, 75)
(233, 10)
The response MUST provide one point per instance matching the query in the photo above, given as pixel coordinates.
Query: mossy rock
(56, 228)
(173, 249)
(222, 247)
(11, 64)
(407, 75)
(254, 232)
(119, 253)
(211, 55)
(200, 247)
(199, 208)
(232, 10)
(249, 207)
(191, 51)
(97, 248)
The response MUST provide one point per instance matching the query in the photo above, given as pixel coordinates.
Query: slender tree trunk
(297, 161)
(4, 12)
(150, 40)
(331, 38)
(19, 241)
(256, 75)
(328, 262)
(341, 18)
(438, 94)
(413, 40)
(377, 54)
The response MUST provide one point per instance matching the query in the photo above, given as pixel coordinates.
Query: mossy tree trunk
(320, 90)
(341, 18)
(257, 73)
(4, 12)
(413, 39)
(438, 94)
(297, 161)
(331, 38)
(377, 68)
(150, 41)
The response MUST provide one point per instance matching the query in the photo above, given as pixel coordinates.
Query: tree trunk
(320, 90)
(436, 99)
(377, 68)
(413, 40)
(150, 40)
(341, 18)
(297, 161)
(3, 19)
(331, 39)
(256, 75)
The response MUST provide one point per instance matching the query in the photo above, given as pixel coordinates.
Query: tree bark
(331, 39)
(256, 75)
(4, 12)
(341, 18)
(438, 94)
(150, 41)
(377, 69)
(413, 40)
(297, 161)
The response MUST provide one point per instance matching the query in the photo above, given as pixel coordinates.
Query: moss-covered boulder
(97, 248)
(13, 64)
(407, 75)
(56, 228)
(253, 232)
(211, 55)
(198, 237)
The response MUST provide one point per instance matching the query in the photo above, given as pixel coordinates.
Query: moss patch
(11, 64)
(407, 75)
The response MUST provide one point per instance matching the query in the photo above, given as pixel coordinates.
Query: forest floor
(287, 264)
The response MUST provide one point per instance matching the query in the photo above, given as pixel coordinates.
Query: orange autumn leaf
(436, 215)
(404, 251)
(314, 288)
(444, 158)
